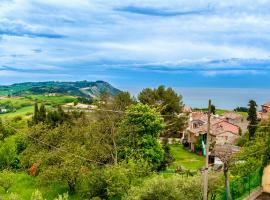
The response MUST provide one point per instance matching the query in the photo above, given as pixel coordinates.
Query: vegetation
(169, 104)
(79, 88)
(113, 152)
(252, 118)
(184, 158)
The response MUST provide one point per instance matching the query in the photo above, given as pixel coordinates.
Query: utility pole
(205, 181)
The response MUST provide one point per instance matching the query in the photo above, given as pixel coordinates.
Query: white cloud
(96, 31)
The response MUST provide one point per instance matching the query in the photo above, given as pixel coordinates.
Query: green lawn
(185, 158)
(28, 110)
(52, 99)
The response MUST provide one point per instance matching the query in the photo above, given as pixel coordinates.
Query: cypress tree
(252, 118)
(42, 113)
(36, 114)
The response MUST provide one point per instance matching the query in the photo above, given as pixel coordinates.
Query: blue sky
(136, 44)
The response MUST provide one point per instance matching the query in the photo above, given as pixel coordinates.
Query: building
(265, 112)
(3, 110)
(221, 131)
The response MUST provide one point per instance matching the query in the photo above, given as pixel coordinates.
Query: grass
(185, 158)
(52, 99)
(28, 110)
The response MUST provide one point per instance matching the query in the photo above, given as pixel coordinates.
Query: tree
(64, 153)
(35, 118)
(139, 134)
(213, 109)
(225, 154)
(121, 101)
(42, 113)
(167, 102)
(252, 118)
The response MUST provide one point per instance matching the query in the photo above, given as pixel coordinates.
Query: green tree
(8, 153)
(252, 118)
(65, 152)
(35, 118)
(139, 135)
(42, 113)
(122, 100)
(167, 102)
(213, 109)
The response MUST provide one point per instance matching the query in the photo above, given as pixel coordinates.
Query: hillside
(79, 88)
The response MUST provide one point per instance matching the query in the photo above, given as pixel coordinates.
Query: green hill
(79, 88)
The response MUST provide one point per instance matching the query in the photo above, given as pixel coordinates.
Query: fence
(243, 186)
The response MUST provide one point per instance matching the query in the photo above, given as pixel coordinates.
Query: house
(224, 132)
(236, 119)
(265, 112)
(3, 110)
(221, 131)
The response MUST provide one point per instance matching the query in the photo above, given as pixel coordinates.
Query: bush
(62, 197)
(173, 188)
(6, 180)
(37, 195)
(113, 182)
(8, 154)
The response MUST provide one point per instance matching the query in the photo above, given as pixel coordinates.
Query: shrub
(173, 188)
(62, 197)
(36, 195)
(6, 180)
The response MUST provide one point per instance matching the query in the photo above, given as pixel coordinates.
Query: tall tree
(42, 113)
(167, 102)
(139, 136)
(36, 114)
(252, 118)
(121, 101)
(213, 109)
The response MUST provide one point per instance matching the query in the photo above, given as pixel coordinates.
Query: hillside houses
(225, 129)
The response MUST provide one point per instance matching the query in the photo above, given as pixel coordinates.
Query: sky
(137, 44)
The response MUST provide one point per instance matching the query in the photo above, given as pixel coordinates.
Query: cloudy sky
(194, 43)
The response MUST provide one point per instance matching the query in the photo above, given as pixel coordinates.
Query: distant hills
(78, 88)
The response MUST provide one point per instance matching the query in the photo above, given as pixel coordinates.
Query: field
(52, 99)
(25, 111)
(184, 158)
(24, 106)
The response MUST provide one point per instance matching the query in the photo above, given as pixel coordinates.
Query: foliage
(37, 195)
(8, 153)
(4, 132)
(172, 188)
(213, 109)
(113, 182)
(65, 151)
(6, 180)
(139, 135)
(62, 197)
(168, 157)
(241, 109)
(252, 118)
(167, 102)
(122, 100)
(79, 88)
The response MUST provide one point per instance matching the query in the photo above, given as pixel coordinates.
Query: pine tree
(252, 118)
